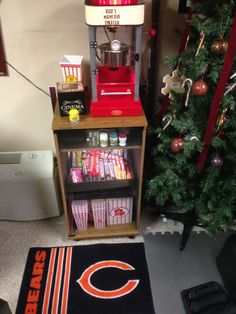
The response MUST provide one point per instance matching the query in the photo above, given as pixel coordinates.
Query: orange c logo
(87, 286)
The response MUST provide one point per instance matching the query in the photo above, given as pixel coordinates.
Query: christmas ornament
(152, 32)
(194, 138)
(190, 83)
(173, 83)
(230, 88)
(201, 43)
(219, 46)
(222, 118)
(167, 119)
(217, 161)
(177, 145)
(189, 138)
(199, 88)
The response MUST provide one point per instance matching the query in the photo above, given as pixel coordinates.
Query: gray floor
(173, 271)
(17, 237)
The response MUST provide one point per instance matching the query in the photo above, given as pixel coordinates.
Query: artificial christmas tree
(195, 148)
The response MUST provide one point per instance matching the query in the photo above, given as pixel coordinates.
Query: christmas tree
(195, 143)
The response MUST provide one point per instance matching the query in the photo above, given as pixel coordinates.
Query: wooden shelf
(114, 230)
(71, 137)
(70, 140)
(88, 122)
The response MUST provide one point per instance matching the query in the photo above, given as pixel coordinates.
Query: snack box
(119, 210)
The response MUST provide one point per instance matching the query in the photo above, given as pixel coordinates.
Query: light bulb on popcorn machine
(115, 29)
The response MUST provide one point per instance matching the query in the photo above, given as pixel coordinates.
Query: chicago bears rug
(98, 278)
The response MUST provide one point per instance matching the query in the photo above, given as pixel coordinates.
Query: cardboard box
(71, 95)
(119, 210)
(99, 213)
(80, 213)
(71, 66)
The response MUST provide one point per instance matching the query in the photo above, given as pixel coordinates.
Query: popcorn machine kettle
(115, 30)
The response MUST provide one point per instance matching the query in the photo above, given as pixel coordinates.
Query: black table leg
(188, 219)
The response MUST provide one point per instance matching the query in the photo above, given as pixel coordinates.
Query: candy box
(80, 213)
(99, 213)
(119, 210)
(71, 95)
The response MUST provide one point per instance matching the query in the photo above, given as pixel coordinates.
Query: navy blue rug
(100, 278)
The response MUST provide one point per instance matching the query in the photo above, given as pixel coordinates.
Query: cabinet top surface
(87, 121)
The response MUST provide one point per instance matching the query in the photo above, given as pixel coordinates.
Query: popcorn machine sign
(114, 15)
(111, 16)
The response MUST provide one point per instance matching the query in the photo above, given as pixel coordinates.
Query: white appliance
(27, 186)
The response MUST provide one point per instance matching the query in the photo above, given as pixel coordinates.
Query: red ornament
(177, 145)
(200, 88)
(219, 47)
(152, 32)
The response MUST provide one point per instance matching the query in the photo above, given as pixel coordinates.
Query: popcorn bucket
(80, 213)
(99, 213)
(119, 210)
(71, 68)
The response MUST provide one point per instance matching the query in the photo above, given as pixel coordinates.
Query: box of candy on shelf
(99, 165)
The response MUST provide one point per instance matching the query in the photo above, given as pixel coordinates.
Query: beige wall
(36, 35)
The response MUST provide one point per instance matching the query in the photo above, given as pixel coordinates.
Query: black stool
(207, 298)
(226, 263)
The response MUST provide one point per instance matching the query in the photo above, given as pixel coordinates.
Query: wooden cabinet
(72, 138)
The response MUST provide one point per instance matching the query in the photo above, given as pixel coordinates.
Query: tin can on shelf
(113, 136)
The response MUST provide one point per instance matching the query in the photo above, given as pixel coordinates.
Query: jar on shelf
(74, 117)
(92, 138)
(103, 139)
(122, 139)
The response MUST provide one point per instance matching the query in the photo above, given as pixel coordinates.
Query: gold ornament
(219, 47)
(174, 83)
(221, 119)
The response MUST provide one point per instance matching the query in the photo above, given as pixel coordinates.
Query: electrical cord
(27, 79)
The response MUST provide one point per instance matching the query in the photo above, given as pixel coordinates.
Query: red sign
(113, 2)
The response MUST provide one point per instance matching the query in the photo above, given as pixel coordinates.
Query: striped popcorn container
(119, 210)
(71, 68)
(99, 213)
(80, 213)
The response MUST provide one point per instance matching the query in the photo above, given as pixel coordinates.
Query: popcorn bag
(119, 210)
(71, 68)
(99, 213)
(80, 213)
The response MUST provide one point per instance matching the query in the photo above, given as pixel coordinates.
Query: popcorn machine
(115, 30)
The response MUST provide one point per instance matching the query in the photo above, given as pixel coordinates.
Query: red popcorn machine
(115, 30)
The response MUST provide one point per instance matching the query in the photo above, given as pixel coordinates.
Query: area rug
(87, 279)
(172, 271)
